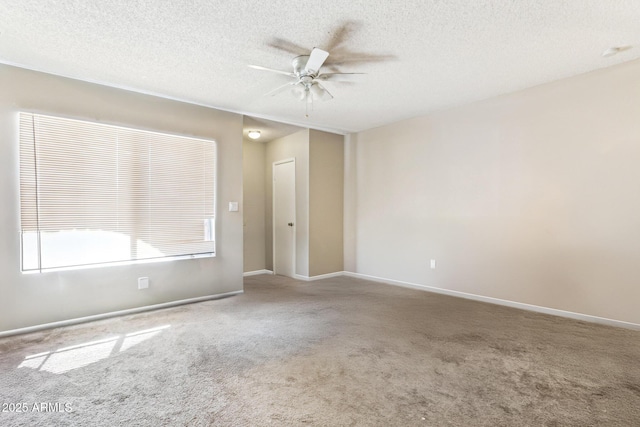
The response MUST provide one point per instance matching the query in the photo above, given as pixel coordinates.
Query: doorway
(284, 217)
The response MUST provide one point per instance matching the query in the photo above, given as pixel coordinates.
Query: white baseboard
(513, 304)
(256, 272)
(114, 314)
(319, 277)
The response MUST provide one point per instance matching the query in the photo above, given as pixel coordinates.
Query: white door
(284, 216)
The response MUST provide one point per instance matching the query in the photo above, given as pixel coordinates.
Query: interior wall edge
(320, 276)
(256, 273)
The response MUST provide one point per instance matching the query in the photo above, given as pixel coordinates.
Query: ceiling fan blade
(342, 82)
(258, 67)
(341, 35)
(280, 89)
(329, 76)
(326, 92)
(288, 46)
(316, 59)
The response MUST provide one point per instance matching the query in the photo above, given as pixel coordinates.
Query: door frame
(273, 214)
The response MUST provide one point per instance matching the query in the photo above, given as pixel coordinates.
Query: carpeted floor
(336, 352)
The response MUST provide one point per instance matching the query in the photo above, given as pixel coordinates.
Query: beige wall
(531, 197)
(350, 189)
(32, 299)
(253, 189)
(291, 146)
(326, 181)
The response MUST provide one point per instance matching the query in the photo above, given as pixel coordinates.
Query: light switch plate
(233, 206)
(143, 282)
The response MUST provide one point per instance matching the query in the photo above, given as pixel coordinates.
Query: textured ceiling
(419, 55)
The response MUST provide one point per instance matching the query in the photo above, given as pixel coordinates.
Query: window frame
(211, 191)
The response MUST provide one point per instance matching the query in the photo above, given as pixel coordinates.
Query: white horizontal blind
(94, 193)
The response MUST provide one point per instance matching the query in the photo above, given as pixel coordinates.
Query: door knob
(290, 224)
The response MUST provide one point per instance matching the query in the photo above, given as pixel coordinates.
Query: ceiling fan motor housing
(299, 65)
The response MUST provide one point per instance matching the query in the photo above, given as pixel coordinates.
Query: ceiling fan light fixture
(316, 91)
(253, 134)
(297, 91)
(303, 93)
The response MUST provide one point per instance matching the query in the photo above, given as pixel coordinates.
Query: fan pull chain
(308, 99)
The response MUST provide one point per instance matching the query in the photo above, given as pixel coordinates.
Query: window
(92, 194)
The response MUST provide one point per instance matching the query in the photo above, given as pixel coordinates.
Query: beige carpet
(336, 352)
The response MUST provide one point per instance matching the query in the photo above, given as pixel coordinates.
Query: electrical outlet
(433, 264)
(143, 282)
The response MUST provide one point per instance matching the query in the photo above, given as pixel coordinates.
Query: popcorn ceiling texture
(432, 54)
(334, 352)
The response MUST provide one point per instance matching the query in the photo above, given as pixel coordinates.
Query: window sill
(120, 263)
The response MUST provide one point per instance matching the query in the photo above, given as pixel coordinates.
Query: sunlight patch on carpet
(81, 355)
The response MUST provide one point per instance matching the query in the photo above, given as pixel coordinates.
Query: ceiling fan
(307, 75)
